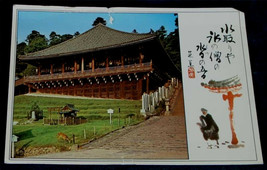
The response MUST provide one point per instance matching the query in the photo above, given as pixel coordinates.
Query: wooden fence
(64, 121)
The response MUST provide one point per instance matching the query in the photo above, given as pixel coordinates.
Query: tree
(170, 43)
(99, 20)
(76, 33)
(20, 66)
(36, 42)
(30, 70)
(66, 37)
(161, 34)
(34, 34)
(134, 31)
(151, 31)
(54, 38)
(20, 48)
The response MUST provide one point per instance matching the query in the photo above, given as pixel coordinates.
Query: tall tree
(54, 38)
(36, 42)
(170, 43)
(33, 35)
(99, 20)
(161, 34)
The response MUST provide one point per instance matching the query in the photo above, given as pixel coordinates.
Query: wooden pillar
(29, 89)
(132, 89)
(75, 66)
(51, 68)
(122, 61)
(147, 84)
(82, 64)
(107, 90)
(99, 90)
(122, 90)
(139, 88)
(141, 57)
(63, 68)
(83, 89)
(39, 70)
(92, 90)
(74, 90)
(114, 89)
(93, 64)
(107, 63)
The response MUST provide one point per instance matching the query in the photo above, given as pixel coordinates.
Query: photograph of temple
(108, 85)
(102, 63)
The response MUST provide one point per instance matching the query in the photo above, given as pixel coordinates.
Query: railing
(133, 68)
(64, 121)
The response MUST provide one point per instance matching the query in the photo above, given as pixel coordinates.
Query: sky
(70, 22)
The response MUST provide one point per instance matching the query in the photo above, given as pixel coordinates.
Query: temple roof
(98, 38)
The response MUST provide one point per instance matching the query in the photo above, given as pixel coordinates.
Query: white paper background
(193, 29)
(194, 26)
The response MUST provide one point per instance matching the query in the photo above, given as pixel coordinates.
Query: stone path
(159, 137)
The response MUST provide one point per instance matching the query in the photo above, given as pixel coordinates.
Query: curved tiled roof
(98, 38)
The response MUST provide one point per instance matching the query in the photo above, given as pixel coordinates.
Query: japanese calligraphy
(215, 51)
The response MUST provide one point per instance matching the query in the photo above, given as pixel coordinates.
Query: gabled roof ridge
(90, 40)
(122, 31)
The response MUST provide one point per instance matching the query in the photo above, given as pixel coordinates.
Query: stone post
(152, 105)
(157, 98)
(167, 96)
(146, 103)
(163, 92)
(160, 94)
(149, 102)
(143, 110)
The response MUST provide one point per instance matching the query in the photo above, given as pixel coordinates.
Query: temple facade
(102, 63)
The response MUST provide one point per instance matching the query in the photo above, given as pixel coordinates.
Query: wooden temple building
(101, 62)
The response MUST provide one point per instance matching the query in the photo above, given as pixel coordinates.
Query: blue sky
(70, 22)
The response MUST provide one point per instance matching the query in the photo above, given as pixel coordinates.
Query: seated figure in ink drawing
(208, 127)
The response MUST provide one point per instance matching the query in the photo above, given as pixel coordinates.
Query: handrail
(89, 73)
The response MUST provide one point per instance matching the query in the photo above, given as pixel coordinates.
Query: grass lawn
(95, 110)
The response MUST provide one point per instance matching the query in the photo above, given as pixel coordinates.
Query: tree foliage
(99, 20)
(170, 42)
(57, 38)
(36, 42)
(76, 33)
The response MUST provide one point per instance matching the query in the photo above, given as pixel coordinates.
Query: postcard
(164, 86)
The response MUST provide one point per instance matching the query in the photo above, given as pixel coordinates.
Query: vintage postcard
(130, 86)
